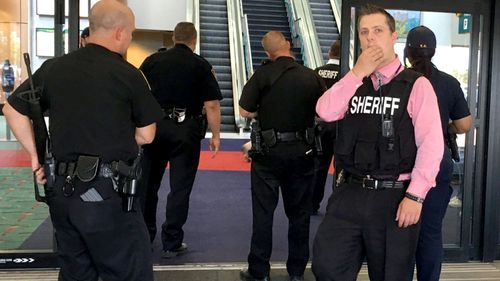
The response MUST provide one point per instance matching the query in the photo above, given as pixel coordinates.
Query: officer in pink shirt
(388, 150)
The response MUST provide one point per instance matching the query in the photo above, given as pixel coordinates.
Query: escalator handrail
(247, 46)
(237, 56)
(301, 16)
(193, 16)
(337, 11)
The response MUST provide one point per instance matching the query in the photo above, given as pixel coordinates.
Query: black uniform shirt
(96, 100)
(180, 78)
(451, 99)
(290, 104)
(330, 73)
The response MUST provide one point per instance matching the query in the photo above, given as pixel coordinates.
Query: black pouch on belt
(87, 167)
(269, 137)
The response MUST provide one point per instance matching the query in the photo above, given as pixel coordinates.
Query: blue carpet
(219, 225)
(220, 220)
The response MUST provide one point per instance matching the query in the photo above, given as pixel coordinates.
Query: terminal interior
(219, 225)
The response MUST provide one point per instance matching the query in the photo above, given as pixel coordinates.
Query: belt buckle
(370, 183)
(178, 114)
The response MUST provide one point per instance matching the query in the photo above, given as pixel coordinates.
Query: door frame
(491, 246)
(473, 229)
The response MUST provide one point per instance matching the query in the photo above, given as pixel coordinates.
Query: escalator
(264, 16)
(214, 47)
(326, 27)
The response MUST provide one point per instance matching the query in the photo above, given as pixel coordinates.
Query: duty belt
(370, 183)
(65, 168)
(170, 112)
(290, 136)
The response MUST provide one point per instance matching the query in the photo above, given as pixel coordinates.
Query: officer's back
(283, 95)
(178, 77)
(103, 100)
(289, 104)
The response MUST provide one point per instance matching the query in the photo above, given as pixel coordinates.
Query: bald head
(275, 44)
(109, 14)
(111, 25)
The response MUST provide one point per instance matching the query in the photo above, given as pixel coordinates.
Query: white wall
(445, 26)
(158, 15)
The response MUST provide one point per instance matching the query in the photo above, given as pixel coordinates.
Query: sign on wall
(464, 23)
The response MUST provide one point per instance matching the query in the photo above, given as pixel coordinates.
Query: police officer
(84, 37)
(101, 109)
(326, 130)
(420, 48)
(388, 149)
(282, 94)
(183, 83)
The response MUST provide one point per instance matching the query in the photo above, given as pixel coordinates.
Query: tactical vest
(361, 149)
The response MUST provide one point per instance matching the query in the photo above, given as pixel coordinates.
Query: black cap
(421, 37)
(85, 33)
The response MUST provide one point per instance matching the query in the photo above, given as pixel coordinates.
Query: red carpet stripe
(223, 161)
(14, 159)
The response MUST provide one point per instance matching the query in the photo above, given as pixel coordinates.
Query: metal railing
(246, 45)
(303, 28)
(237, 55)
(337, 11)
(193, 15)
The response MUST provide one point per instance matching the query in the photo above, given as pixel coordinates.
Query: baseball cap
(421, 37)
(85, 33)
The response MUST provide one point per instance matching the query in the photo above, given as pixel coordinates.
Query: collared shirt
(333, 61)
(422, 108)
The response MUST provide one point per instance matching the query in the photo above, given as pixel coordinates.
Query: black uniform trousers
(429, 254)
(177, 144)
(360, 223)
(322, 163)
(98, 238)
(286, 165)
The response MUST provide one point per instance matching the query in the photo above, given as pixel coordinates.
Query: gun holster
(49, 168)
(451, 141)
(310, 135)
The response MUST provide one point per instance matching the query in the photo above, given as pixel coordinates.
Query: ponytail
(420, 59)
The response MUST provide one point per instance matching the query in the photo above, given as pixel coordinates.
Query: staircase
(214, 47)
(264, 16)
(326, 27)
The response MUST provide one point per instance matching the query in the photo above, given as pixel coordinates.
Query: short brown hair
(334, 52)
(370, 9)
(184, 32)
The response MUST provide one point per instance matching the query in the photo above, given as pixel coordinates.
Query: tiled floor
(472, 271)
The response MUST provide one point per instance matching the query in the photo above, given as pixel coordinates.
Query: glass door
(460, 34)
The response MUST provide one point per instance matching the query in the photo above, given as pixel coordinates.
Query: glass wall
(452, 57)
(13, 42)
(24, 223)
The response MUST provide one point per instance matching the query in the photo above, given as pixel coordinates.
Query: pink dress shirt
(422, 108)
